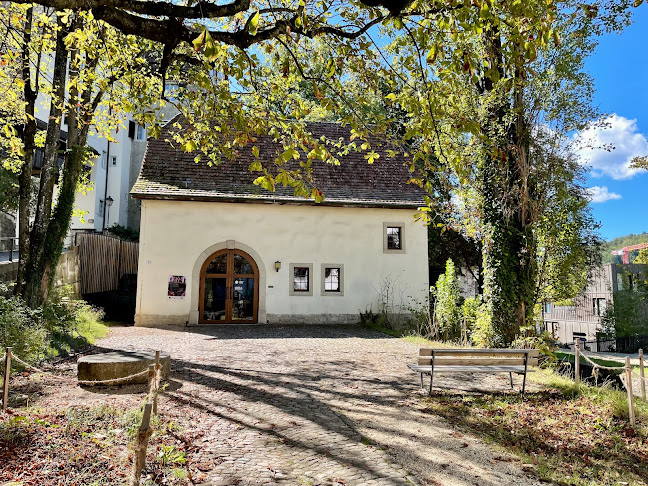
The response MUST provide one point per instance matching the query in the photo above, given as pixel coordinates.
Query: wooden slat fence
(103, 260)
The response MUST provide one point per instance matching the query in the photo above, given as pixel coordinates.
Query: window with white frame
(301, 279)
(140, 132)
(393, 238)
(332, 279)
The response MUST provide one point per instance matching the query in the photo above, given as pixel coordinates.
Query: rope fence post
(577, 361)
(5, 385)
(158, 377)
(641, 373)
(143, 435)
(628, 383)
(151, 378)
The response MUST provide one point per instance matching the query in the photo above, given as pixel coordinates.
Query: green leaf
(254, 23)
(200, 40)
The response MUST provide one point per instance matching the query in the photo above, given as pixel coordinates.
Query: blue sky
(620, 70)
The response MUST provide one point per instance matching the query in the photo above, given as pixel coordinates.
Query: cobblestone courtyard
(314, 405)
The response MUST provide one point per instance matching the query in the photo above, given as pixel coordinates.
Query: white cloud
(599, 194)
(609, 148)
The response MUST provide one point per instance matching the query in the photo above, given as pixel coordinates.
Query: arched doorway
(229, 288)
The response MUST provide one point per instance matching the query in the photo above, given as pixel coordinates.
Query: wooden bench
(475, 361)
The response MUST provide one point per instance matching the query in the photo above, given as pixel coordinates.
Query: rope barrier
(81, 382)
(600, 366)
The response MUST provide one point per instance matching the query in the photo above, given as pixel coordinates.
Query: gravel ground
(308, 405)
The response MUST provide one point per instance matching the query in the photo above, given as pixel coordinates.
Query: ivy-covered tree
(72, 63)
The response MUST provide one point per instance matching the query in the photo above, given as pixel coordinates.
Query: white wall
(177, 236)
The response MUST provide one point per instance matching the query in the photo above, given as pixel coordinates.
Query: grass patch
(88, 446)
(568, 434)
(412, 337)
(570, 357)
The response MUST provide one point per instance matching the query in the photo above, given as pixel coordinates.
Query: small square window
(332, 279)
(301, 279)
(393, 238)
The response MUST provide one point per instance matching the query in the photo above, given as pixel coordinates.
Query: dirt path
(308, 405)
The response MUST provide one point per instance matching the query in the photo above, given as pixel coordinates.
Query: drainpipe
(103, 223)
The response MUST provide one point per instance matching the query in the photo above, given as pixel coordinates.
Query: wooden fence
(104, 260)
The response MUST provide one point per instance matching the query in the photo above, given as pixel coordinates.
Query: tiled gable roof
(170, 173)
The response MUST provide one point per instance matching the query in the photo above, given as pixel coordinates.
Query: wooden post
(577, 362)
(628, 380)
(643, 376)
(143, 435)
(5, 387)
(156, 381)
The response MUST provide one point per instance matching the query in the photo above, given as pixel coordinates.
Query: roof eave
(279, 200)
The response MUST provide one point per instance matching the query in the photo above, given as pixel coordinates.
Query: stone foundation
(148, 320)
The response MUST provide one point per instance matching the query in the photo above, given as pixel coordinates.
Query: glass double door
(229, 288)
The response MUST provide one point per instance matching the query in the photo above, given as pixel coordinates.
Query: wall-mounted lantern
(277, 265)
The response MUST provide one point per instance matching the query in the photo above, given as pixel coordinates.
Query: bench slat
(476, 369)
(468, 361)
(480, 352)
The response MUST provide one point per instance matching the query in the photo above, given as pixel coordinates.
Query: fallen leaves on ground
(85, 445)
(568, 440)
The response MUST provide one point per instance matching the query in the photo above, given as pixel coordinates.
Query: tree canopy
(480, 96)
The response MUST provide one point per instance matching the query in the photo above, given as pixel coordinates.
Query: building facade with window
(247, 255)
(582, 317)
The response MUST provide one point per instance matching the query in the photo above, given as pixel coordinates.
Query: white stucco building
(216, 249)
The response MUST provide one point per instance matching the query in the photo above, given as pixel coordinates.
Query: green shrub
(123, 232)
(447, 304)
(483, 333)
(61, 325)
(20, 328)
(470, 312)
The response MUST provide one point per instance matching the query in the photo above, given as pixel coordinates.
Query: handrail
(10, 250)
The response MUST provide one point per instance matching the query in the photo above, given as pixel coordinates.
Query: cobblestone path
(311, 406)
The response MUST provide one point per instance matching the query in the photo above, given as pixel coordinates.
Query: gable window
(301, 279)
(393, 238)
(332, 279)
(140, 132)
(136, 131)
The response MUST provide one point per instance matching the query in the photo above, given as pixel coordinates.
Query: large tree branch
(200, 10)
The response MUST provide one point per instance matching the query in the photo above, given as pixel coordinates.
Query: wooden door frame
(230, 276)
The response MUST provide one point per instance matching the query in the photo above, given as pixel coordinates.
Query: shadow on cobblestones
(310, 405)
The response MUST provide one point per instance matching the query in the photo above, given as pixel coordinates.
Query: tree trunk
(32, 290)
(507, 190)
(29, 135)
(78, 128)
